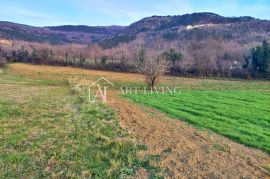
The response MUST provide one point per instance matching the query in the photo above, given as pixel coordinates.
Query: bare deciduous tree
(202, 58)
(2, 61)
(96, 52)
(153, 68)
(67, 53)
(216, 50)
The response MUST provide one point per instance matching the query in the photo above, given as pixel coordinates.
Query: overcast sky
(120, 12)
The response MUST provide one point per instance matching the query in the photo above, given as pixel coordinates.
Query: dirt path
(187, 152)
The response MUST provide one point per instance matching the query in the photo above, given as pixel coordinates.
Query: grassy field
(243, 116)
(52, 74)
(47, 130)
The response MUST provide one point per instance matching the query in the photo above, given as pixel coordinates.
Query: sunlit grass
(49, 130)
(59, 74)
(243, 116)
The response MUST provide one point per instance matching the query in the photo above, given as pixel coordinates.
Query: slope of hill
(167, 27)
(57, 35)
(88, 29)
(158, 23)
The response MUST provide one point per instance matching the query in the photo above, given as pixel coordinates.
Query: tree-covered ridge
(170, 27)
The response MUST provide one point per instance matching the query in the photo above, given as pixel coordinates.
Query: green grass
(243, 116)
(46, 130)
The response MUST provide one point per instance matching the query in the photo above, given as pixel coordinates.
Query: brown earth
(186, 152)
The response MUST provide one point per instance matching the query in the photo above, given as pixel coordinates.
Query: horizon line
(132, 22)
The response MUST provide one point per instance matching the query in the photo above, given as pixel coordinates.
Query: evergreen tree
(173, 56)
(265, 56)
(261, 58)
(104, 59)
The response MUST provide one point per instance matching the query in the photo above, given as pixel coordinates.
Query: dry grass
(50, 72)
(130, 79)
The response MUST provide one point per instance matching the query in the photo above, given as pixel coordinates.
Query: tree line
(199, 58)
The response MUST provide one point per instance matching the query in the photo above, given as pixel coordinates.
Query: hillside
(157, 23)
(166, 27)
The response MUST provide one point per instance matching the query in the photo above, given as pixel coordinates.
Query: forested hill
(182, 27)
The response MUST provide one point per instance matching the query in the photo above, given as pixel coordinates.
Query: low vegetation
(242, 116)
(45, 120)
(48, 130)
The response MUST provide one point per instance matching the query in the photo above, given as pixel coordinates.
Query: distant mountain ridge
(89, 29)
(164, 22)
(169, 27)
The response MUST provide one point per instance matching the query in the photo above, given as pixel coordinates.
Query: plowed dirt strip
(185, 151)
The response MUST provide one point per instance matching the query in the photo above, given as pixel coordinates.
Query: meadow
(48, 130)
(241, 115)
